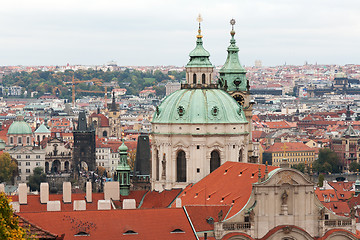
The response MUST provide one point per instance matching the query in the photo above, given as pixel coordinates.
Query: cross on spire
(199, 20)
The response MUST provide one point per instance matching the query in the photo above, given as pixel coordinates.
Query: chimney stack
(44, 192)
(67, 192)
(88, 192)
(112, 190)
(22, 190)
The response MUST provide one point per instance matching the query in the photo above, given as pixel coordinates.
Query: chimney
(104, 205)
(2, 188)
(79, 205)
(67, 192)
(53, 206)
(22, 190)
(178, 203)
(15, 206)
(112, 190)
(129, 204)
(44, 192)
(88, 192)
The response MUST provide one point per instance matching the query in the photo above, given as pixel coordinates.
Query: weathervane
(199, 20)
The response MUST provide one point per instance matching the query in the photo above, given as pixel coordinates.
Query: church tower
(233, 80)
(197, 128)
(123, 171)
(114, 119)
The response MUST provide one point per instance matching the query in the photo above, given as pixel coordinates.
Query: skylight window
(79, 234)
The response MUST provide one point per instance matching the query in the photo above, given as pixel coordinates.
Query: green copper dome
(199, 106)
(123, 148)
(19, 127)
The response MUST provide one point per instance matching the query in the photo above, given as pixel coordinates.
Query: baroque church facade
(204, 124)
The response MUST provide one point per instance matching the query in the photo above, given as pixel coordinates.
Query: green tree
(8, 168)
(9, 224)
(354, 167)
(36, 178)
(321, 180)
(328, 161)
(300, 167)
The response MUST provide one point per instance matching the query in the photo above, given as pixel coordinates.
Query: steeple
(232, 74)
(199, 68)
(82, 125)
(113, 104)
(123, 171)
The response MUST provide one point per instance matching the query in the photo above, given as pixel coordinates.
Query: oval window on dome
(215, 111)
(181, 110)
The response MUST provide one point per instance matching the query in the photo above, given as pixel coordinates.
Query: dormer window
(79, 234)
(177, 230)
(130, 232)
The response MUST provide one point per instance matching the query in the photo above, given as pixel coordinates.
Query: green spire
(123, 171)
(232, 74)
(199, 57)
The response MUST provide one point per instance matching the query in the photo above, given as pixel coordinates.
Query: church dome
(19, 126)
(199, 106)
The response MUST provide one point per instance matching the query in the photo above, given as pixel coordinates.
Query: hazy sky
(163, 32)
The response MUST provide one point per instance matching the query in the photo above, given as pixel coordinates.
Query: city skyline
(163, 33)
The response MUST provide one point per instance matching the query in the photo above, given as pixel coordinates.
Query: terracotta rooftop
(215, 189)
(290, 147)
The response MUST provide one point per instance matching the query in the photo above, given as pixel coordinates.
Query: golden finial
(199, 20)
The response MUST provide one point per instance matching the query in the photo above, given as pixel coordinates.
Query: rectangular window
(19, 140)
(37, 163)
(19, 163)
(27, 156)
(27, 170)
(19, 170)
(27, 178)
(18, 156)
(37, 156)
(27, 163)
(28, 140)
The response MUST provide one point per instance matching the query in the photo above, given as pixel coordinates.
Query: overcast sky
(163, 32)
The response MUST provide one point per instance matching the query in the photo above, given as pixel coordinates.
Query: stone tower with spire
(114, 119)
(233, 80)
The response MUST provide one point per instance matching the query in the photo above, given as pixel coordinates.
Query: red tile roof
(139, 223)
(160, 199)
(290, 147)
(215, 189)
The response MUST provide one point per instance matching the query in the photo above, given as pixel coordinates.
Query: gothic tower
(114, 119)
(84, 145)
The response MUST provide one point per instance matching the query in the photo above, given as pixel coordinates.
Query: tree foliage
(36, 178)
(9, 224)
(300, 167)
(46, 81)
(354, 167)
(328, 161)
(321, 180)
(8, 168)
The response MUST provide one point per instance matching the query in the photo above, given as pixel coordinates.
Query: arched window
(181, 167)
(19, 140)
(38, 138)
(203, 78)
(240, 155)
(104, 133)
(194, 78)
(11, 140)
(214, 160)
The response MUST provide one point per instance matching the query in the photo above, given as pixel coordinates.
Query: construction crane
(73, 82)
(95, 91)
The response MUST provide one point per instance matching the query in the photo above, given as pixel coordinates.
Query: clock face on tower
(240, 99)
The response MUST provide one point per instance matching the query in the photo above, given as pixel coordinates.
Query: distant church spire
(113, 104)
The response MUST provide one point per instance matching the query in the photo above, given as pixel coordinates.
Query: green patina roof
(199, 106)
(19, 127)
(199, 57)
(232, 69)
(42, 129)
(123, 166)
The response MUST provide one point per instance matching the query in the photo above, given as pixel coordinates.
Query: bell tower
(233, 80)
